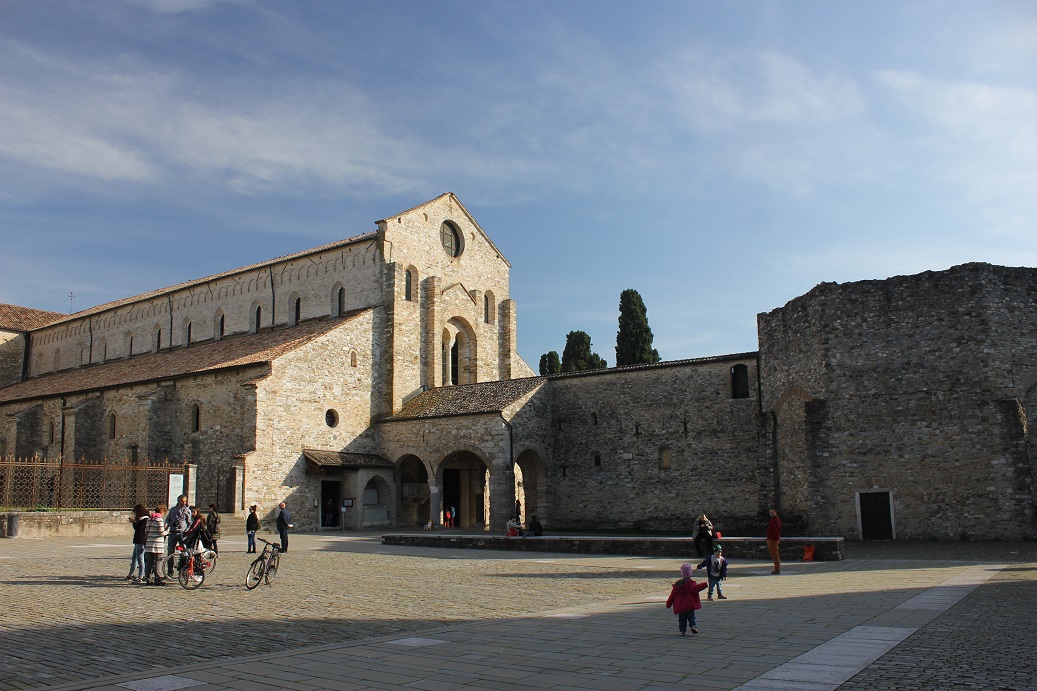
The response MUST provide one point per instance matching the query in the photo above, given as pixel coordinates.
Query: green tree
(578, 356)
(634, 340)
(549, 363)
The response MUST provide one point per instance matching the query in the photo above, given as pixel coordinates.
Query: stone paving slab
(335, 618)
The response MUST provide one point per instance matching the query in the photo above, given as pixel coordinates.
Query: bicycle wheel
(271, 568)
(255, 573)
(209, 558)
(170, 564)
(190, 576)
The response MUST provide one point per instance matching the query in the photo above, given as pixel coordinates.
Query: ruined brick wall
(651, 448)
(906, 385)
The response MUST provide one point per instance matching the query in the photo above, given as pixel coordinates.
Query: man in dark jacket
(284, 522)
(177, 521)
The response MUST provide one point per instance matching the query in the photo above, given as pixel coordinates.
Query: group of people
(684, 596)
(159, 532)
(514, 527)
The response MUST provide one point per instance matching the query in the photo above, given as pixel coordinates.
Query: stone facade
(375, 382)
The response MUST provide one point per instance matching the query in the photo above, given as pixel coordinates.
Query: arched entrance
(531, 485)
(465, 479)
(413, 505)
(460, 360)
(376, 503)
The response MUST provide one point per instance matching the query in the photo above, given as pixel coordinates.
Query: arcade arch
(460, 359)
(531, 485)
(464, 481)
(413, 502)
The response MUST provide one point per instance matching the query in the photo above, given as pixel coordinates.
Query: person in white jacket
(155, 546)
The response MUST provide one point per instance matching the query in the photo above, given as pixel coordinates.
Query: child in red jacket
(684, 598)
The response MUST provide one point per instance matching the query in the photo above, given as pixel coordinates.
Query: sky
(721, 158)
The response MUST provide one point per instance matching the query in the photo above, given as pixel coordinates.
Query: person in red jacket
(774, 541)
(684, 598)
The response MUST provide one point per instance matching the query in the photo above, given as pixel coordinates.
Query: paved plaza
(346, 612)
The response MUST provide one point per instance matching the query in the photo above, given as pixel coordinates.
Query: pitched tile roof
(468, 399)
(15, 318)
(657, 365)
(343, 459)
(187, 284)
(232, 352)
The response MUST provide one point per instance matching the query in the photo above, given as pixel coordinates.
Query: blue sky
(722, 158)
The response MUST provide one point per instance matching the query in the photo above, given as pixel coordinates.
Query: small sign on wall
(347, 504)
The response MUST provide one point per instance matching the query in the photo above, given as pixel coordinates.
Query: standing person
(153, 549)
(212, 524)
(453, 517)
(774, 541)
(447, 517)
(518, 511)
(177, 521)
(284, 523)
(197, 531)
(139, 519)
(684, 598)
(703, 533)
(716, 571)
(251, 528)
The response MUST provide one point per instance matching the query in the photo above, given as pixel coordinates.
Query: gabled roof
(461, 206)
(657, 365)
(15, 318)
(468, 399)
(200, 281)
(343, 459)
(232, 352)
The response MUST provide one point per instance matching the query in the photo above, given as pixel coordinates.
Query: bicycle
(191, 565)
(265, 565)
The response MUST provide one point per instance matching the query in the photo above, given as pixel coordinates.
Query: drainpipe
(511, 443)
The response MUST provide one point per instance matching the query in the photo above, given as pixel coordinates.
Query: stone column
(435, 501)
(239, 490)
(502, 495)
(191, 482)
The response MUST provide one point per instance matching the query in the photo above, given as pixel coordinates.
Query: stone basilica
(375, 382)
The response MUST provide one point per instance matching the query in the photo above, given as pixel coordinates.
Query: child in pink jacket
(684, 598)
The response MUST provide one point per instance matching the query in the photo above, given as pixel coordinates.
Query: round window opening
(451, 239)
(331, 417)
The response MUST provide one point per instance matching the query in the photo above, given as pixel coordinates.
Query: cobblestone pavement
(67, 616)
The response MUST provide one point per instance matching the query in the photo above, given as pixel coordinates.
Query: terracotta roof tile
(469, 399)
(658, 365)
(15, 318)
(234, 351)
(343, 459)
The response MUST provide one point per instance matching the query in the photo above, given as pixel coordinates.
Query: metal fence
(40, 483)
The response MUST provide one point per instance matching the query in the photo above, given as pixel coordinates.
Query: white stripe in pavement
(166, 683)
(415, 642)
(831, 664)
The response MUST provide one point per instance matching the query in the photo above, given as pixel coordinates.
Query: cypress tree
(578, 355)
(549, 363)
(634, 340)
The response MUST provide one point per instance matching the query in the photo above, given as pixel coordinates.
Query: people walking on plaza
(154, 548)
(684, 599)
(284, 524)
(212, 524)
(774, 541)
(716, 571)
(251, 528)
(177, 522)
(703, 533)
(139, 519)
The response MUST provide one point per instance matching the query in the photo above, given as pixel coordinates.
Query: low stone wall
(825, 548)
(66, 524)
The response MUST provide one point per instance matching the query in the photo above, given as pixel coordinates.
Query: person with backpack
(716, 571)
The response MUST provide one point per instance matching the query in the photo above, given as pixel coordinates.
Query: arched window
(739, 381)
(452, 239)
(111, 425)
(187, 334)
(489, 307)
(454, 361)
(196, 417)
(220, 328)
(353, 358)
(257, 322)
(50, 433)
(341, 301)
(298, 311)
(158, 340)
(408, 286)
(129, 346)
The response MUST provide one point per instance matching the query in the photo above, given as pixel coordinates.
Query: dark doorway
(331, 505)
(876, 516)
(451, 490)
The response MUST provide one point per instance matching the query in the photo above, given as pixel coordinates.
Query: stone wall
(906, 385)
(651, 448)
(12, 353)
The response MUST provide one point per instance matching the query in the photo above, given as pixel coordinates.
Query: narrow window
(50, 434)
(637, 429)
(259, 317)
(453, 364)
(353, 359)
(408, 287)
(129, 351)
(134, 453)
(739, 381)
(597, 460)
(158, 340)
(341, 301)
(664, 458)
(111, 426)
(298, 310)
(188, 334)
(223, 325)
(486, 308)
(196, 418)
(594, 418)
